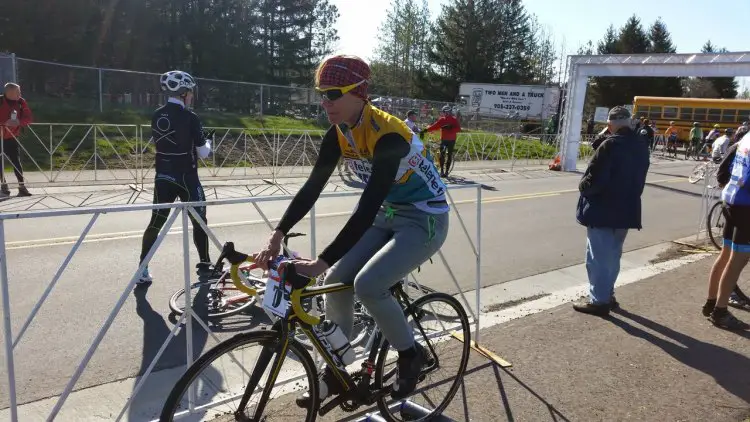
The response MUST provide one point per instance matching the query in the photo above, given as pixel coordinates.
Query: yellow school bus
(684, 111)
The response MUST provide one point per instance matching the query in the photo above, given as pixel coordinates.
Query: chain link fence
(86, 90)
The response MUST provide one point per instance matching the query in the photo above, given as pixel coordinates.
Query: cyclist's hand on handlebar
(270, 251)
(310, 268)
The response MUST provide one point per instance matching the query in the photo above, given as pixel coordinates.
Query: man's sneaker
(585, 306)
(613, 303)
(408, 370)
(328, 385)
(708, 307)
(22, 191)
(722, 318)
(204, 269)
(739, 303)
(145, 277)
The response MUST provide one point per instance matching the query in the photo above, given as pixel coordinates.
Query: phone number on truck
(512, 107)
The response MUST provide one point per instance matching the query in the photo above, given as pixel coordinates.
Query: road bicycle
(702, 170)
(224, 297)
(282, 365)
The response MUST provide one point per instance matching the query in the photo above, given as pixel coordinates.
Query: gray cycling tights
(397, 243)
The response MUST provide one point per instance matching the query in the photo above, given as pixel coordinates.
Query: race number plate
(276, 297)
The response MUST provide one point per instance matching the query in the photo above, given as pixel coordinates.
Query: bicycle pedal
(333, 403)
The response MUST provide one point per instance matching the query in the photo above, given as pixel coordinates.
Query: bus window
(654, 113)
(686, 113)
(729, 116)
(670, 112)
(700, 115)
(743, 116)
(714, 115)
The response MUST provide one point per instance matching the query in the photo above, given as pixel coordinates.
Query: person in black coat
(610, 205)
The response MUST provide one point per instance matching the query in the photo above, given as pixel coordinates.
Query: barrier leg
(188, 305)
(474, 344)
(7, 334)
(103, 331)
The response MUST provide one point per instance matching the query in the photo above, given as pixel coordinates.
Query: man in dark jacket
(610, 205)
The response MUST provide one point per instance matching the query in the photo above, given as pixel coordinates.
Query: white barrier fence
(83, 154)
(182, 210)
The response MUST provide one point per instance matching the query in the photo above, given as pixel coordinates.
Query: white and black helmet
(177, 81)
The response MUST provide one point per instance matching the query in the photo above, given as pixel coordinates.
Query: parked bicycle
(702, 170)
(283, 366)
(225, 297)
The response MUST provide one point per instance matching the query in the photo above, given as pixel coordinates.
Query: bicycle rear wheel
(445, 360)
(221, 376)
(217, 298)
(715, 222)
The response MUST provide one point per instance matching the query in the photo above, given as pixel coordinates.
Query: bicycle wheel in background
(445, 361)
(221, 376)
(715, 222)
(698, 173)
(220, 298)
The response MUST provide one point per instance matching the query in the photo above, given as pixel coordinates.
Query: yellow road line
(134, 234)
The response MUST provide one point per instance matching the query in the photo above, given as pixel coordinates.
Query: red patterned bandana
(340, 71)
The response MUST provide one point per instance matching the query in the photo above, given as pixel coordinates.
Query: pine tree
(401, 52)
(661, 42)
(724, 87)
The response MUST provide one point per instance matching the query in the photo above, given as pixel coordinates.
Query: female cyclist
(400, 221)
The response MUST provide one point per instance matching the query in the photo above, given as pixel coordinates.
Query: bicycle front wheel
(220, 381)
(445, 359)
(698, 173)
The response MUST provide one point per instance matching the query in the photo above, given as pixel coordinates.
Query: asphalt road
(528, 228)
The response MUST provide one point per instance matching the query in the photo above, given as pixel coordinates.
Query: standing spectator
(610, 205)
(180, 140)
(590, 126)
(14, 115)
(449, 128)
(648, 133)
(733, 176)
(411, 120)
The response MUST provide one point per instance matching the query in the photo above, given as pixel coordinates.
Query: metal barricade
(183, 210)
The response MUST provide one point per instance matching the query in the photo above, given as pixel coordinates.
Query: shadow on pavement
(675, 190)
(460, 180)
(721, 364)
(555, 415)
(155, 332)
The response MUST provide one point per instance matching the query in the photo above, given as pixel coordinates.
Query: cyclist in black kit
(179, 137)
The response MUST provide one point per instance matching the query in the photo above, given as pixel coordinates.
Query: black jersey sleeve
(328, 157)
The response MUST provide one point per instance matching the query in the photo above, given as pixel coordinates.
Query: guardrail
(57, 154)
(182, 210)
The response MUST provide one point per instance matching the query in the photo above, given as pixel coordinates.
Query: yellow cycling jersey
(417, 181)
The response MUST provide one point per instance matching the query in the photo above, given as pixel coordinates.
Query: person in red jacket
(449, 128)
(14, 115)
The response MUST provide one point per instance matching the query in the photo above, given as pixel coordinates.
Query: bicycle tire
(383, 406)
(178, 310)
(715, 216)
(698, 173)
(258, 336)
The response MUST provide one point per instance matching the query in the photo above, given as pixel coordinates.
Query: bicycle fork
(260, 368)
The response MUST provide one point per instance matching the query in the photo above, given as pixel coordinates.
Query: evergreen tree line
(481, 41)
(263, 41)
(632, 38)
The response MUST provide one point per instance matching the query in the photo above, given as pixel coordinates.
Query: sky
(574, 22)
